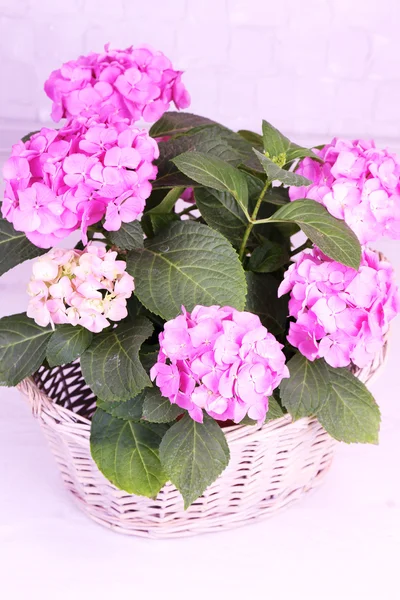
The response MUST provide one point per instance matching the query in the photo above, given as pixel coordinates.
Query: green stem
(250, 225)
(307, 244)
(187, 210)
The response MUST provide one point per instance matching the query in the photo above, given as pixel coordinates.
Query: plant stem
(250, 225)
(187, 210)
(307, 244)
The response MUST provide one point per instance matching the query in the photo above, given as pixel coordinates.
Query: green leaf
(214, 173)
(276, 173)
(67, 343)
(350, 413)
(128, 236)
(212, 141)
(295, 152)
(157, 409)
(187, 264)
(307, 388)
(173, 123)
(277, 195)
(149, 405)
(332, 236)
(148, 357)
(171, 178)
(221, 212)
(22, 348)
(111, 365)
(127, 453)
(278, 146)
(250, 136)
(268, 258)
(15, 248)
(153, 223)
(194, 455)
(167, 204)
(274, 409)
(129, 410)
(275, 143)
(262, 300)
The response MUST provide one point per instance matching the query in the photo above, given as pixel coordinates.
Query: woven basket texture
(270, 467)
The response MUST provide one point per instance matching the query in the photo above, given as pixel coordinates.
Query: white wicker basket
(270, 467)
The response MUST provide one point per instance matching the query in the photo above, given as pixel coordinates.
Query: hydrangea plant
(184, 297)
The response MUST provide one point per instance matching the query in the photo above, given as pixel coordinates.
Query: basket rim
(41, 402)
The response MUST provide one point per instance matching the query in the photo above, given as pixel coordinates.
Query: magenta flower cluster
(340, 314)
(87, 288)
(220, 360)
(356, 182)
(117, 85)
(61, 180)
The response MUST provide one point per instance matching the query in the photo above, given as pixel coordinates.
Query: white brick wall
(314, 67)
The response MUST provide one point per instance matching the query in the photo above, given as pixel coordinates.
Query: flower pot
(270, 467)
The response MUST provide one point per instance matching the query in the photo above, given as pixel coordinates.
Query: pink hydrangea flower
(87, 288)
(59, 181)
(117, 85)
(220, 360)
(340, 314)
(356, 182)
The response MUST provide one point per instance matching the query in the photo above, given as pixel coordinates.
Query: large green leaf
(157, 409)
(128, 236)
(173, 123)
(333, 236)
(211, 141)
(262, 300)
(67, 343)
(268, 258)
(350, 413)
(221, 212)
(307, 389)
(276, 173)
(22, 348)
(111, 365)
(250, 136)
(149, 405)
(129, 410)
(127, 453)
(214, 173)
(277, 195)
(187, 264)
(15, 248)
(194, 455)
(166, 206)
(149, 355)
(154, 223)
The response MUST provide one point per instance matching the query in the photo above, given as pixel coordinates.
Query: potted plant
(184, 325)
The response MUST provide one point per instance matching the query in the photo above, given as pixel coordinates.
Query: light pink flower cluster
(87, 288)
(117, 85)
(220, 360)
(341, 314)
(356, 182)
(61, 180)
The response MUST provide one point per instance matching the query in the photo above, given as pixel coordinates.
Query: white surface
(342, 541)
(313, 68)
